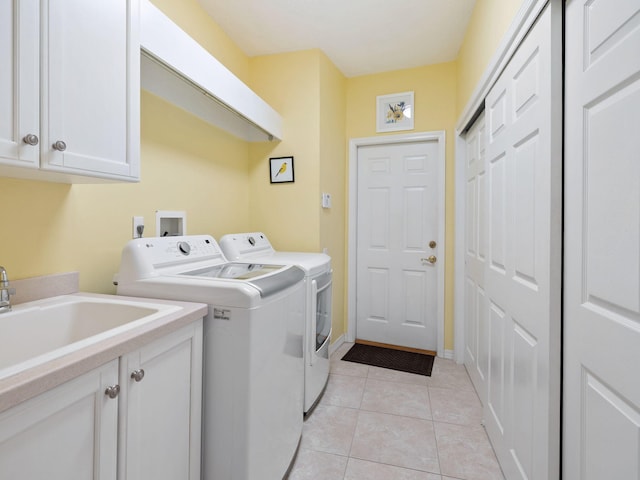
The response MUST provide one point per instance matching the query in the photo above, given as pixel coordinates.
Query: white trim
(458, 249)
(356, 143)
(520, 25)
(336, 345)
(449, 354)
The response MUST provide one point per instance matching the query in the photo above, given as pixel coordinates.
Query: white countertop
(33, 381)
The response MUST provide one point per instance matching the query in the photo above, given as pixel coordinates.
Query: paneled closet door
(522, 271)
(476, 351)
(602, 236)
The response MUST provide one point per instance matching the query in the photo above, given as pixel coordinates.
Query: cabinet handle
(137, 375)
(31, 139)
(112, 391)
(60, 146)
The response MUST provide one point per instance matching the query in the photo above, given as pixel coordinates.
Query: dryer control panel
(239, 245)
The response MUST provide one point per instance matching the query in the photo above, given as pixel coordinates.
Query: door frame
(354, 145)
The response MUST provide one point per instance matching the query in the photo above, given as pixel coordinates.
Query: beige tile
(389, 375)
(395, 440)
(329, 429)
(448, 374)
(314, 465)
(465, 452)
(363, 470)
(341, 367)
(343, 391)
(396, 398)
(449, 405)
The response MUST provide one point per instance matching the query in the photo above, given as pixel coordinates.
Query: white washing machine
(253, 336)
(255, 247)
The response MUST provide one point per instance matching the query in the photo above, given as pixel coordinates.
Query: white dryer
(255, 247)
(253, 335)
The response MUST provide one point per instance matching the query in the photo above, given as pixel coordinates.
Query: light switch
(326, 200)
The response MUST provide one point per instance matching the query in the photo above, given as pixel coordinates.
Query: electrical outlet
(138, 227)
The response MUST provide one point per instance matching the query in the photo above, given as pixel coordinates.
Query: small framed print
(281, 170)
(394, 112)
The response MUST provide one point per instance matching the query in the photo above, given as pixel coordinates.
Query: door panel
(602, 226)
(476, 328)
(522, 270)
(397, 291)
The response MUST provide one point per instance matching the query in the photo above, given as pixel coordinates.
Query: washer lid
(267, 279)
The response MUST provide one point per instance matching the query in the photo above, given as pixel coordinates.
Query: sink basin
(40, 331)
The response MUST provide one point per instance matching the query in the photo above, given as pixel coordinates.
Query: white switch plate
(326, 200)
(137, 221)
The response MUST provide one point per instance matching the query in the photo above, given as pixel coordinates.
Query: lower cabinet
(67, 433)
(160, 409)
(136, 417)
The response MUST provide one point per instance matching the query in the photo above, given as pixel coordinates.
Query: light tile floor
(377, 424)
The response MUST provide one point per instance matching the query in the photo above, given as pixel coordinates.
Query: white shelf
(177, 68)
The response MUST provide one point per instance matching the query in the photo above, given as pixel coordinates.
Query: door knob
(137, 375)
(431, 259)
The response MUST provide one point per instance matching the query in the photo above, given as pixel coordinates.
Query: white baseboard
(336, 345)
(449, 354)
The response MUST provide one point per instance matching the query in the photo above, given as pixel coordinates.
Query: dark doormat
(409, 362)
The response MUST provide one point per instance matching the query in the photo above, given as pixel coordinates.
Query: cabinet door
(91, 88)
(68, 433)
(160, 422)
(19, 82)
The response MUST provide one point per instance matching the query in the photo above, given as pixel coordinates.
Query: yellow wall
(186, 165)
(189, 165)
(309, 92)
(333, 171)
(288, 212)
(489, 22)
(434, 90)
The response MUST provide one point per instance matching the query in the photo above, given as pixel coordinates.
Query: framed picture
(394, 112)
(281, 169)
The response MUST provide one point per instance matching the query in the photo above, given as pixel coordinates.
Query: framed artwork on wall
(394, 112)
(281, 170)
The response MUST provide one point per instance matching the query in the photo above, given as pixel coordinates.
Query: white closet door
(476, 351)
(602, 236)
(522, 267)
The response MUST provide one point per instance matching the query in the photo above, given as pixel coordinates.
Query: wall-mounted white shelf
(177, 68)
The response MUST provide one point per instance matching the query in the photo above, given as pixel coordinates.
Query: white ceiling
(359, 36)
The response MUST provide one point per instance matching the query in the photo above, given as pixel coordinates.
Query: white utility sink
(37, 332)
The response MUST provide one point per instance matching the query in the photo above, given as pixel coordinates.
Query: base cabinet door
(67, 433)
(161, 404)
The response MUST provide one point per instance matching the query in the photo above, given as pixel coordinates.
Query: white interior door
(398, 266)
(522, 271)
(601, 433)
(476, 349)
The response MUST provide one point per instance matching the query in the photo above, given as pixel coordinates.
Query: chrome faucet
(5, 292)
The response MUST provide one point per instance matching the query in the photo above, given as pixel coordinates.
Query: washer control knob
(252, 241)
(184, 248)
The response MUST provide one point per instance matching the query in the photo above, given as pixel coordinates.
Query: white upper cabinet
(84, 76)
(19, 83)
(177, 68)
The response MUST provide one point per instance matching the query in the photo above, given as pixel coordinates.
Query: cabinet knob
(112, 391)
(137, 375)
(31, 139)
(60, 146)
